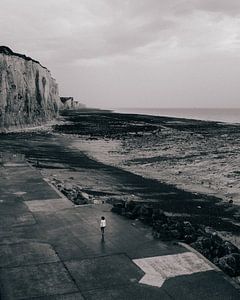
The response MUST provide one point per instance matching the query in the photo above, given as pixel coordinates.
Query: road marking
(159, 268)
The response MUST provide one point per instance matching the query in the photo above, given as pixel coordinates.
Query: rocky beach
(191, 167)
(186, 170)
(199, 158)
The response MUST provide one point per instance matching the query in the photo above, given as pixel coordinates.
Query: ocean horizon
(228, 115)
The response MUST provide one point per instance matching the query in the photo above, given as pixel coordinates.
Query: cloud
(69, 31)
(95, 39)
(229, 7)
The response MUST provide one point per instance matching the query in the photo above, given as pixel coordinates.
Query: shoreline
(174, 113)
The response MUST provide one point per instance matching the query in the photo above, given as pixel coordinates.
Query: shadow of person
(103, 240)
(103, 249)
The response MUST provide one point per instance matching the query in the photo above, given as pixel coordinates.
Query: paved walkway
(50, 249)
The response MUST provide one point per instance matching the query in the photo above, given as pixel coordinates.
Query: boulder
(230, 264)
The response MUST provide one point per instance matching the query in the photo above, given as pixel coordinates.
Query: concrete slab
(104, 272)
(153, 248)
(23, 254)
(131, 292)
(75, 296)
(88, 268)
(13, 212)
(12, 220)
(159, 268)
(49, 205)
(201, 286)
(35, 281)
(39, 190)
(68, 248)
(27, 181)
(12, 204)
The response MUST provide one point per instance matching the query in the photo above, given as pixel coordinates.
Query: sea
(228, 115)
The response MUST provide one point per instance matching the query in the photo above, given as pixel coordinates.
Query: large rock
(230, 264)
(28, 93)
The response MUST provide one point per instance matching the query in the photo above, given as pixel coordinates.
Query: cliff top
(7, 51)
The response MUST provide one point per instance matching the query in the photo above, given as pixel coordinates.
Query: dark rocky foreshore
(205, 240)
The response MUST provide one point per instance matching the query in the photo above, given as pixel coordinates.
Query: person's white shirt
(103, 223)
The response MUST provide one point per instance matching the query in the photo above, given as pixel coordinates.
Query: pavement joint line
(217, 269)
(170, 296)
(69, 273)
(96, 256)
(31, 213)
(113, 287)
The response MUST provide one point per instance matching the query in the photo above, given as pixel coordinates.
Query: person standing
(102, 225)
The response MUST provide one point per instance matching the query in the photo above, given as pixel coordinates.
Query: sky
(135, 53)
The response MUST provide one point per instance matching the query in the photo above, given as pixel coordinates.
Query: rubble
(72, 192)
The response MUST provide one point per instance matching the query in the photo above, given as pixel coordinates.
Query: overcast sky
(136, 53)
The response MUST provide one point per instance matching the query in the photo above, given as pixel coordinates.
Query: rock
(84, 195)
(79, 200)
(158, 214)
(229, 248)
(130, 215)
(117, 210)
(118, 205)
(203, 244)
(136, 211)
(129, 205)
(230, 264)
(190, 238)
(175, 234)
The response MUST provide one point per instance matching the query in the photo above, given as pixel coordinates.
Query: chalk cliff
(28, 94)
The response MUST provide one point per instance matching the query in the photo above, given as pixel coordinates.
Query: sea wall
(28, 94)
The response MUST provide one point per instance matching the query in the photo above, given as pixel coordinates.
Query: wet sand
(168, 161)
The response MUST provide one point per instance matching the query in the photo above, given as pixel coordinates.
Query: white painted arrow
(159, 268)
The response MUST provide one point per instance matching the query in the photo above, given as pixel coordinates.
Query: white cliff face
(28, 93)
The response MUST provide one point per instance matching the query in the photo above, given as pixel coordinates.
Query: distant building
(70, 103)
(67, 102)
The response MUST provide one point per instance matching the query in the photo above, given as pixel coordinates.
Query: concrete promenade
(50, 249)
